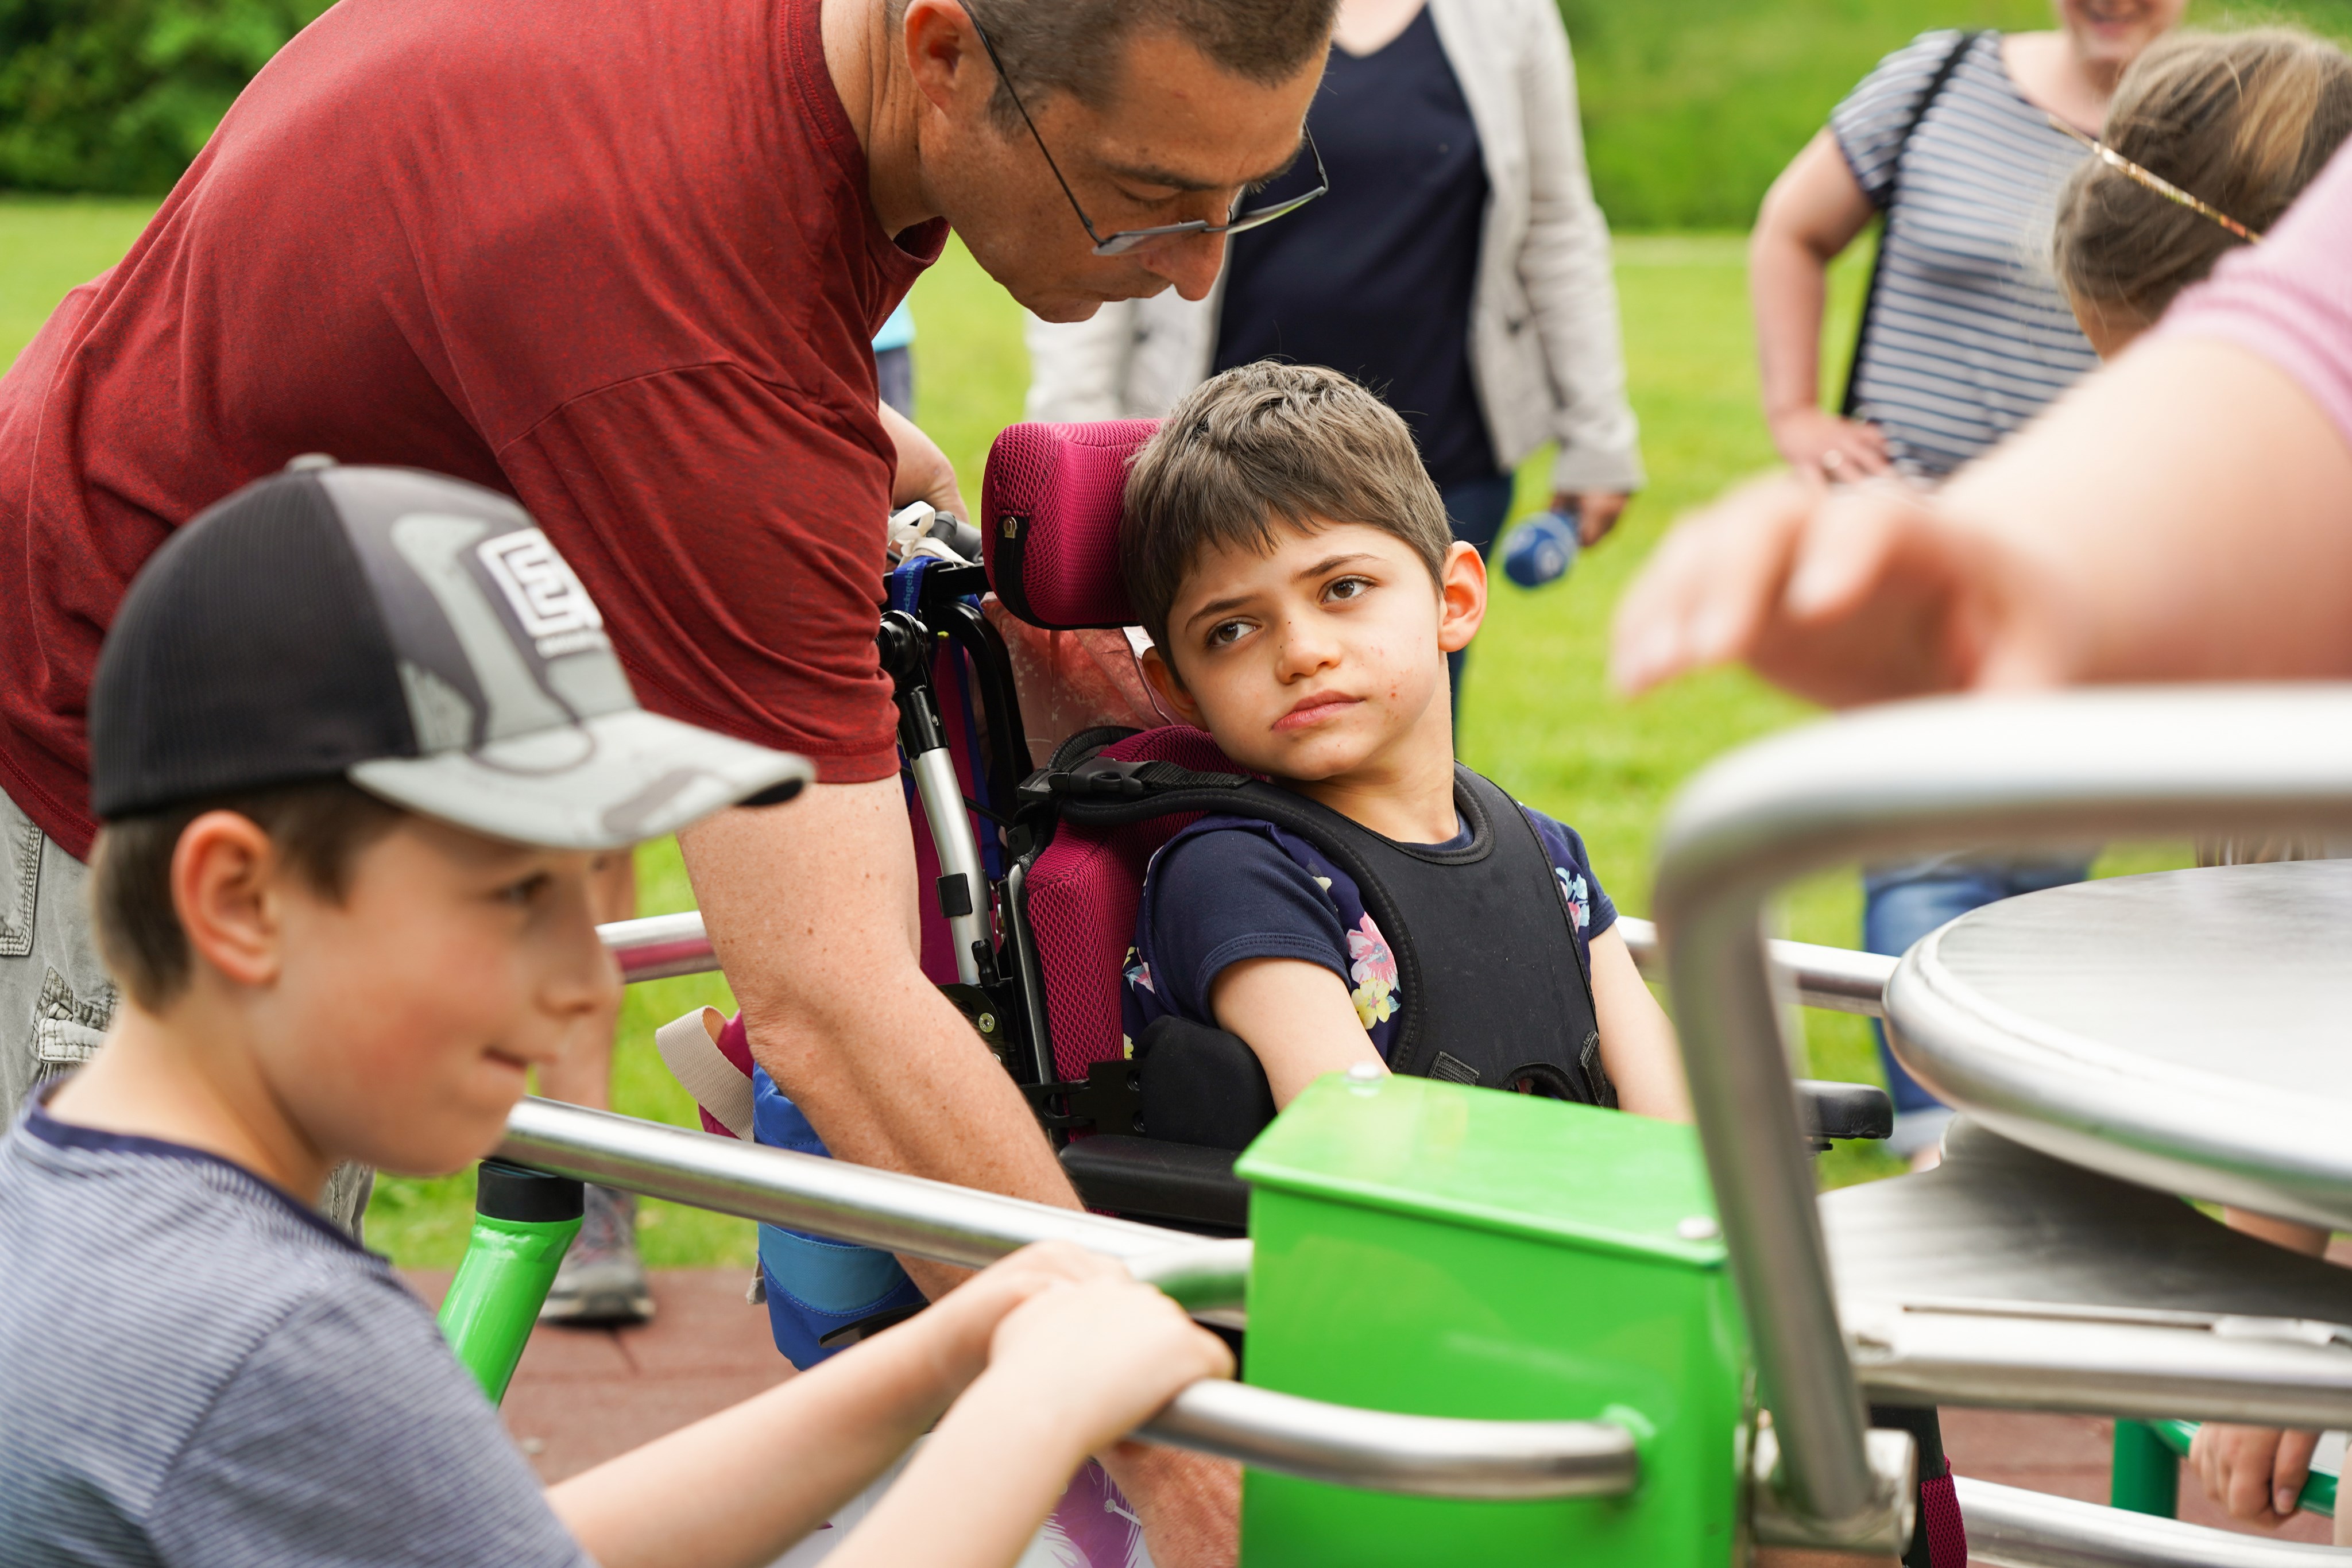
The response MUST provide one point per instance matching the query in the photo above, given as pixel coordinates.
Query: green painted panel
(1450, 1251)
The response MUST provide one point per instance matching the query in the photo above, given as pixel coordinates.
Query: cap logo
(546, 596)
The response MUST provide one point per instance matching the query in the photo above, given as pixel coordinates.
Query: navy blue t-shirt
(1374, 279)
(1229, 888)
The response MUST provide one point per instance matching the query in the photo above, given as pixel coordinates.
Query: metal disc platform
(2187, 1030)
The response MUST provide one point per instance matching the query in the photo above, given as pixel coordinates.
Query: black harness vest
(1493, 986)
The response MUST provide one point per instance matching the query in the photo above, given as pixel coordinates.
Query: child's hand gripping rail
(1421, 1454)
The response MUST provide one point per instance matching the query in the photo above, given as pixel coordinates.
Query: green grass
(1691, 107)
(1536, 712)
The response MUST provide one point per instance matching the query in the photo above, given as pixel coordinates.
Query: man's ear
(225, 890)
(1461, 597)
(1161, 676)
(945, 55)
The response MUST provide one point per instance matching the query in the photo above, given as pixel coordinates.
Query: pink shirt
(2289, 299)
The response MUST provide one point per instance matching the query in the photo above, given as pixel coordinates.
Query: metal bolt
(1365, 1073)
(987, 1022)
(1698, 1228)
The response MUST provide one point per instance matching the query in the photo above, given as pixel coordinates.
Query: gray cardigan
(1545, 350)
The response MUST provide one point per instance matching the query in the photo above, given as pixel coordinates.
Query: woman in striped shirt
(1966, 335)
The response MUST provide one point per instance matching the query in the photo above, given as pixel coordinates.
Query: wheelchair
(1506, 1330)
(1037, 872)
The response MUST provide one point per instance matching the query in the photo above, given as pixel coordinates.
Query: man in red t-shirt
(624, 263)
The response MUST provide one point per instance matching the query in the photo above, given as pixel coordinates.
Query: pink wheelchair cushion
(1049, 520)
(1082, 893)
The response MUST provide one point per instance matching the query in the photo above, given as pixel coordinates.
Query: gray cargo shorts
(56, 998)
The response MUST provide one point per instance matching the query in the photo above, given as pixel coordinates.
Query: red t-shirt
(616, 260)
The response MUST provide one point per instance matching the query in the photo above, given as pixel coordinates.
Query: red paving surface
(583, 1395)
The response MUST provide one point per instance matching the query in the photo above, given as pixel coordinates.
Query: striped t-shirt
(195, 1369)
(1971, 335)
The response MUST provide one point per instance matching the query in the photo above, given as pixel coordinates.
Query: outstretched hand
(1845, 595)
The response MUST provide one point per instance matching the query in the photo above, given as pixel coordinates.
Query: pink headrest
(1049, 515)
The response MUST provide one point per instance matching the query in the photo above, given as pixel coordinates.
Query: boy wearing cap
(359, 741)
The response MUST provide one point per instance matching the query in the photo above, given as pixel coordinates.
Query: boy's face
(1323, 658)
(400, 1022)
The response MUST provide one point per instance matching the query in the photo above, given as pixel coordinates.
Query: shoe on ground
(602, 1283)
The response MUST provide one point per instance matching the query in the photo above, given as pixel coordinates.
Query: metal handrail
(2042, 772)
(1426, 1455)
(1838, 980)
(2012, 1528)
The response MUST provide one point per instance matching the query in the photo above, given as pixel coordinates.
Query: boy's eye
(527, 891)
(1225, 634)
(1348, 588)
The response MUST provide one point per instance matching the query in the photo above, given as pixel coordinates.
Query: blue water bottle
(1542, 549)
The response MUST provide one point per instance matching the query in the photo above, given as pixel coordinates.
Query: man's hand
(2255, 1472)
(1847, 595)
(1596, 511)
(924, 471)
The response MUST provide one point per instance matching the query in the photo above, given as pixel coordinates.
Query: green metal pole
(523, 1221)
(2318, 1495)
(2146, 1474)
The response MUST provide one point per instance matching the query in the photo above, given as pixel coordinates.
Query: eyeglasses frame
(1126, 240)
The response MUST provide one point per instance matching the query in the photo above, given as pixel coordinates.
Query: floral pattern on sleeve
(1373, 968)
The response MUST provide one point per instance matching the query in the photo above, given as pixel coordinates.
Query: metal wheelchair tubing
(1939, 774)
(1425, 1456)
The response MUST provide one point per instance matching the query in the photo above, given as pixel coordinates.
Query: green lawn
(1537, 715)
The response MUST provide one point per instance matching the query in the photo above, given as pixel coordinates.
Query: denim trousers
(1903, 903)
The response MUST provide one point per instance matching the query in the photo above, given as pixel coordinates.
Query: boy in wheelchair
(1374, 905)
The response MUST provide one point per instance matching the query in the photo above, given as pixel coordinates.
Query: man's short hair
(320, 827)
(1076, 46)
(1266, 445)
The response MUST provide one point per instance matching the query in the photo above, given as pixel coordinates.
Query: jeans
(1476, 508)
(1903, 903)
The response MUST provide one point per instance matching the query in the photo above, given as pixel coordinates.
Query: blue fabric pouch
(815, 1287)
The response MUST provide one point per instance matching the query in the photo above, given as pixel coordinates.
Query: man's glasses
(1126, 240)
(2157, 182)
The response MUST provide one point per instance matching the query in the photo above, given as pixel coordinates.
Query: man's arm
(811, 910)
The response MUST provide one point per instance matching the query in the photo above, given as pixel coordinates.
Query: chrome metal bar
(959, 853)
(1836, 979)
(833, 1197)
(2271, 1372)
(659, 947)
(2012, 1528)
(1425, 1456)
(2040, 771)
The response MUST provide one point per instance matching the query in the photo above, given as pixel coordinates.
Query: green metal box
(1447, 1251)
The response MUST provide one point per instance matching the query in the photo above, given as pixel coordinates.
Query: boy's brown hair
(320, 828)
(2242, 121)
(1262, 446)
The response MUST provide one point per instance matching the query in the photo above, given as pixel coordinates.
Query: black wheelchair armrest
(1151, 1179)
(1827, 1109)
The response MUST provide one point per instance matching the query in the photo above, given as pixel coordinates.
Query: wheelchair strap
(1492, 982)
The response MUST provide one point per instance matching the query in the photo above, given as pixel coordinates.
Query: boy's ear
(226, 890)
(1161, 676)
(1461, 597)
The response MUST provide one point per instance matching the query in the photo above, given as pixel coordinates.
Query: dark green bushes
(119, 95)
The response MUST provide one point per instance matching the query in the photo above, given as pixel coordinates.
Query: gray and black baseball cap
(413, 633)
